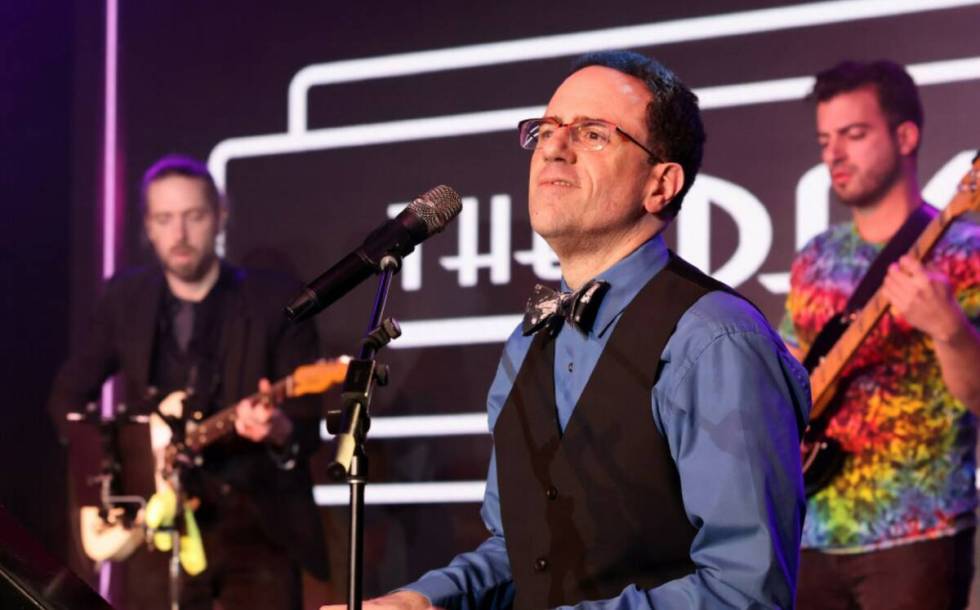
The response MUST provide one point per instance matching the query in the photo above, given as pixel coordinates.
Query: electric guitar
(822, 456)
(112, 538)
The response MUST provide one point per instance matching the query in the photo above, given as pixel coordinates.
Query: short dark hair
(674, 128)
(180, 165)
(897, 93)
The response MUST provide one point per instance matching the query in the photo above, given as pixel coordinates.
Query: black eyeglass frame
(520, 129)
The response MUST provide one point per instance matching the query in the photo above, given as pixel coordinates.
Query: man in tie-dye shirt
(894, 529)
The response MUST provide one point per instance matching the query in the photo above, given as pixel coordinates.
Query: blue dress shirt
(729, 401)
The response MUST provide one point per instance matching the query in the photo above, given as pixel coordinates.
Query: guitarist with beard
(195, 321)
(894, 527)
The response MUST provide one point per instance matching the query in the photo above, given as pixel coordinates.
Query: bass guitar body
(823, 458)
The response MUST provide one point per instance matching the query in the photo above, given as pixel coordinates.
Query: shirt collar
(626, 278)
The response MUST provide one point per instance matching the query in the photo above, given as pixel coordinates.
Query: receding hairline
(213, 200)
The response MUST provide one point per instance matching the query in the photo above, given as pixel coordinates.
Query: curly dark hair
(897, 93)
(674, 128)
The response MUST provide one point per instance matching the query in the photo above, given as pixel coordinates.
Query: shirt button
(540, 564)
(570, 367)
(551, 492)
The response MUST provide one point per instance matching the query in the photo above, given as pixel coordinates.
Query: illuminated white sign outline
(421, 333)
(495, 329)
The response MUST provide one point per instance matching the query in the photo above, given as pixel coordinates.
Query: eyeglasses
(587, 134)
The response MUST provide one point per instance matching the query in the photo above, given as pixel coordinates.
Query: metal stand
(175, 565)
(178, 428)
(110, 465)
(110, 469)
(350, 425)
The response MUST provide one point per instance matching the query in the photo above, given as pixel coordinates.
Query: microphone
(427, 215)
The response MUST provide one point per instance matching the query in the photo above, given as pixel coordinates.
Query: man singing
(646, 418)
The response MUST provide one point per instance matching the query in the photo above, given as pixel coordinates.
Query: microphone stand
(111, 466)
(111, 462)
(350, 425)
(177, 426)
(180, 463)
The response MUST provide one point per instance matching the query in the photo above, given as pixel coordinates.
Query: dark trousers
(927, 575)
(242, 577)
(245, 575)
(246, 571)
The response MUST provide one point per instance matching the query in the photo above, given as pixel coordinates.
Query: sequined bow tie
(550, 308)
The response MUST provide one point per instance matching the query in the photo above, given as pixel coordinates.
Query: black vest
(589, 512)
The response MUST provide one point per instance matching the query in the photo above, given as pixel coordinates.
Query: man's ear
(665, 181)
(907, 135)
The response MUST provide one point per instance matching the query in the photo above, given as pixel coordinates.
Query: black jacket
(256, 340)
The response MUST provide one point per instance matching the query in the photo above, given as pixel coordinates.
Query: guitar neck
(826, 373)
(222, 423)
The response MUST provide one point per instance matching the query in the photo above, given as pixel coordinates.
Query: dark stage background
(321, 118)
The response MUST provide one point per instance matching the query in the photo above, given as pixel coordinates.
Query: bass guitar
(822, 456)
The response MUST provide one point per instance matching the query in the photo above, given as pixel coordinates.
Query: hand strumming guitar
(924, 298)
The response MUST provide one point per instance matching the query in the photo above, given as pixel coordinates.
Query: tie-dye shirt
(910, 471)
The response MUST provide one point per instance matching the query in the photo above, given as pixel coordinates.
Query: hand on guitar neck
(258, 419)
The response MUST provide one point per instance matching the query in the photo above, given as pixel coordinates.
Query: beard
(192, 269)
(870, 186)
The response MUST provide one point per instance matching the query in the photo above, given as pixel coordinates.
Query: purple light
(109, 223)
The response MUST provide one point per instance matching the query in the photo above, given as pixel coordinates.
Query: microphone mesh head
(436, 207)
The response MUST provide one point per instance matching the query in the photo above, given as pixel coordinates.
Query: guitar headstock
(318, 377)
(967, 197)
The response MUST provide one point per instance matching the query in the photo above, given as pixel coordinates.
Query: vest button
(540, 564)
(551, 492)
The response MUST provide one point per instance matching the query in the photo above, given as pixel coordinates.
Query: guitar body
(822, 457)
(114, 540)
(161, 436)
(825, 341)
